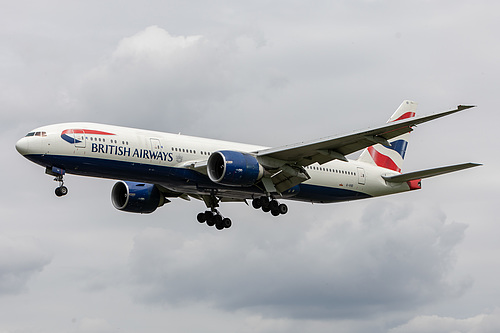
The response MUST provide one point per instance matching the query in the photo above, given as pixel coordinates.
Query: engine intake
(234, 168)
(136, 197)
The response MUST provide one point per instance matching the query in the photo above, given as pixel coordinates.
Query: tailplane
(391, 157)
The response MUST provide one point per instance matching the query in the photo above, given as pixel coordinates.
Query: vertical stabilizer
(391, 157)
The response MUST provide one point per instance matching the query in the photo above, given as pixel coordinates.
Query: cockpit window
(37, 134)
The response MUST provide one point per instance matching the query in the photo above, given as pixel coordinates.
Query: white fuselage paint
(150, 150)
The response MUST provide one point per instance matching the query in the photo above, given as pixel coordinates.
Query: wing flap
(428, 173)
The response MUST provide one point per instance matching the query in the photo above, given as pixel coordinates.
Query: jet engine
(136, 197)
(234, 168)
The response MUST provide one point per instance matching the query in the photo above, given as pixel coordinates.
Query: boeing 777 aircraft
(153, 166)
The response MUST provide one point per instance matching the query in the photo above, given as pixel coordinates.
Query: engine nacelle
(234, 168)
(136, 197)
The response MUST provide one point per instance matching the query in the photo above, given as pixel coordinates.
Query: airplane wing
(428, 173)
(337, 147)
(288, 162)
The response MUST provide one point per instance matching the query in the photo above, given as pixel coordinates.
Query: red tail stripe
(406, 115)
(383, 160)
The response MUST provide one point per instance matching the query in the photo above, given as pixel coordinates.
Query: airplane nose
(22, 146)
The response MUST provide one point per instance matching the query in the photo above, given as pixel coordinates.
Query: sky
(267, 73)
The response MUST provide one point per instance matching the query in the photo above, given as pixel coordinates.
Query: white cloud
(155, 46)
(154, 75)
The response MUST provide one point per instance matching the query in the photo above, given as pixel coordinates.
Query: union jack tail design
(391, 157)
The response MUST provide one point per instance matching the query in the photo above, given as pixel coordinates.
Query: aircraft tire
(210, 218)
(201, 217)
(256, 203)
(273, 205)
(283, 209)
(64, 190)
(227, 223)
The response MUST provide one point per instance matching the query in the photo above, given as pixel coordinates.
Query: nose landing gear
(61, 190)
(59, 174)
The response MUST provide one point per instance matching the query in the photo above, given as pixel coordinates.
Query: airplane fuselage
(121, 153)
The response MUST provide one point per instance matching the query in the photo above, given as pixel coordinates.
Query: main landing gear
(213, 217)
(272, 206)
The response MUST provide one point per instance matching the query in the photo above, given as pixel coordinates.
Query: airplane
(154, 167)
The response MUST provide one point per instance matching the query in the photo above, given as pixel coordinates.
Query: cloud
(482, 323)
(154, 46)
(93, 325)
(154, 75)
(20, 260)
(390, 258)
(194, 84)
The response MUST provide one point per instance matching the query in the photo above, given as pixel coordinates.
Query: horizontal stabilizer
(428, 173)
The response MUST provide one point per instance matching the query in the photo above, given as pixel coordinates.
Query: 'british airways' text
(126, 151)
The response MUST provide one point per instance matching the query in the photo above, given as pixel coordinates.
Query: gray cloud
(482, 323)
(262, 73)
(20, 260)
(393, 257)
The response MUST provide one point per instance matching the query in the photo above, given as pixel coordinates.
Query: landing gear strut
(61, 190)
(213, 217)
(272, 206)
(59, 174)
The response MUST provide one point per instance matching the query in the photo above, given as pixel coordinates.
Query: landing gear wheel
(283, 209)
(64, 190)
(256, 203)
(61, 191)
(201, 217)
(226, 223)
(210, 218)
(273, 205)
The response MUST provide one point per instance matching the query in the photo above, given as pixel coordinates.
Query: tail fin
(391, 157)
